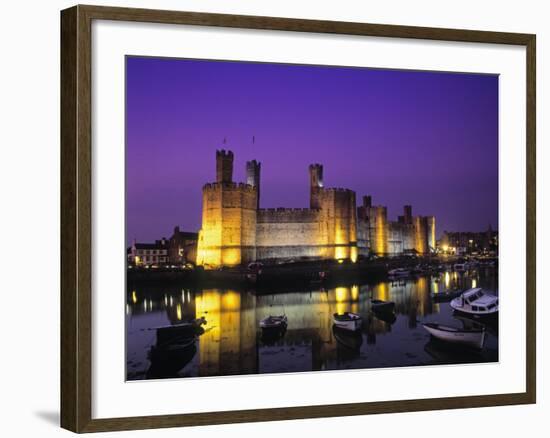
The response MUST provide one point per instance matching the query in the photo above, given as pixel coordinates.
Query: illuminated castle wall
(409, 234)
(235, 230)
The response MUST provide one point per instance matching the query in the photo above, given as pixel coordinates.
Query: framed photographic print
(270, 218)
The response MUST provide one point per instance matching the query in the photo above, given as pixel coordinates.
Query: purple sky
(405, 137)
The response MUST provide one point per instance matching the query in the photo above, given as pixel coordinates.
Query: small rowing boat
(382, 306)
(271, 322)
(473, 337)
(347, 321)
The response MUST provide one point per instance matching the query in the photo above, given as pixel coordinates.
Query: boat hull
(351, 324)
(474, 339)
(383, 307)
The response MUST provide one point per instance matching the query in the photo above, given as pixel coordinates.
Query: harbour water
(232, 341)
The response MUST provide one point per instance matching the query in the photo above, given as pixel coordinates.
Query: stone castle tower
(228, 233)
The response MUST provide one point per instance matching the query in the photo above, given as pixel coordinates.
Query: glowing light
(340, 253)
(134, 297)
(353, 254)
(355, 292)
(341, 294)
(447, 279)
(474, 282)
(178, 312)
(445, 248)
(341, 297)
(208, 304)
(381, 243)
(231, 300)
(231, 257)
(381, 292)
(340, 261)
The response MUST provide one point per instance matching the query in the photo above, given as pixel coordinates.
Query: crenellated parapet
(229, 186)
(288, 215)
(338, 190)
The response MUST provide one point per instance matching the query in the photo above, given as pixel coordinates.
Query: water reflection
(231, 341)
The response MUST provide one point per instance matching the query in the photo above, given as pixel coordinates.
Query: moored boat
(447, 295)
(171, 333)
(271, 322)
(476, 302)
(382, 306)
(399, 273)
(473, 337)
(460, 267)
(347, 321)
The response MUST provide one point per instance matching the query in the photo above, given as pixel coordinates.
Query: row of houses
(464, 243)
(179, 249)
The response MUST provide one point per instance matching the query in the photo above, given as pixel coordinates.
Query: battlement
(224, 153)
(285, 215)
(228, 186)
(338, 189)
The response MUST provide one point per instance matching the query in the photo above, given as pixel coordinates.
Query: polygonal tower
(228, 232)
(253, 177)
(315, 184)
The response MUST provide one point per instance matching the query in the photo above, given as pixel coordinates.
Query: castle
(235, 230)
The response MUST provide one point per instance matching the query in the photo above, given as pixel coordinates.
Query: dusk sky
(405, 137)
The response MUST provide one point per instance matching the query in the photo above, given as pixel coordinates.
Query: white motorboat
(469, 337)
(476, 302)
(347, 321)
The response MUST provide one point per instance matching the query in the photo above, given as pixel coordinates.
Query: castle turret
(224, 166)
(421, 234)
(407, 214)
(431, 232)
(316, 184)
(367, 201)
(253, 177)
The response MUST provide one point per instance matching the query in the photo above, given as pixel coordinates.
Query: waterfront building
(182, 247)
(236, 230)
(147, 254)
(468, 242)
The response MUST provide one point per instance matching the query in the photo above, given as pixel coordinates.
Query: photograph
(303, 218)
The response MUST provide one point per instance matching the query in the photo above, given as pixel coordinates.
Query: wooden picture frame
(76, 218)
